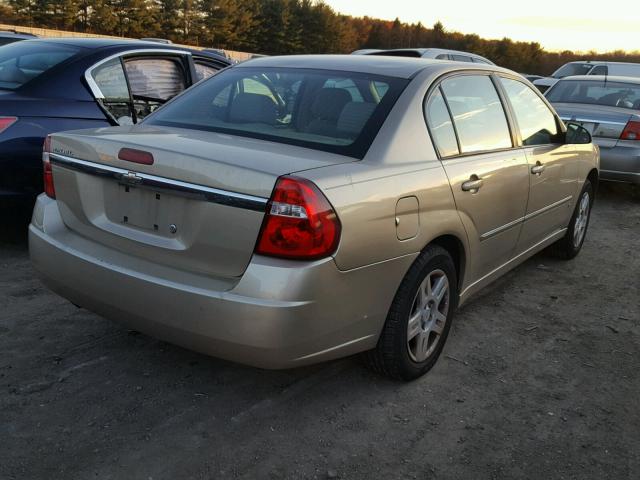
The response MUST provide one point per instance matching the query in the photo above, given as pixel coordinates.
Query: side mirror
(577, 134)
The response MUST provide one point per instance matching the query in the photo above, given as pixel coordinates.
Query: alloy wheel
(582, 219)
(428, 316)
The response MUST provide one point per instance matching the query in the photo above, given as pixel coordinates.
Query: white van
(619, 69)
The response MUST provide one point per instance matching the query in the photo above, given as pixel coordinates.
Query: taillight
(631, 131)
(300, 223)
(47, 172)
(6, 122)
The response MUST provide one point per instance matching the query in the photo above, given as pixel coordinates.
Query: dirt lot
(539, 379)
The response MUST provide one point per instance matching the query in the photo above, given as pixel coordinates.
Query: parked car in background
(589, 68)
(11, 36)
(609, 108)
(434, 53)
(60, 84)
(292, 210)
(531, 78)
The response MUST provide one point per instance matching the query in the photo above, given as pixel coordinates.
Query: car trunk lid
(603, 122)
(198, 207)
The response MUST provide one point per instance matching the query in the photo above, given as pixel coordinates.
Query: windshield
(21, 62)
(334, 111)
(614, 94)
(571, 69)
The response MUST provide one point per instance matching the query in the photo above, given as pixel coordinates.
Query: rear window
(612, 94)
(571, 69)
(21, 62)
(334, 111)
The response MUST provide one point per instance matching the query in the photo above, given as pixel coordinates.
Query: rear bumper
(279, 314)
(620, 163)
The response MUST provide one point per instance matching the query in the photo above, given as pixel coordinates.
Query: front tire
(570, 245)
(419, 319)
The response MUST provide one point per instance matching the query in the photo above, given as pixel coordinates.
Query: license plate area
(145, 209)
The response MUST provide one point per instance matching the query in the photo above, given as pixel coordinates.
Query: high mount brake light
(300, 223)
(135, 156)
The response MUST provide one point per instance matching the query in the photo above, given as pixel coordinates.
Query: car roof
(93, 43)
(400, 67)
(603, 78)
(121, 44)
(12, 34)
(604, 62)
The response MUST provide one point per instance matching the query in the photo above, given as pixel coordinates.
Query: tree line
(276, 27)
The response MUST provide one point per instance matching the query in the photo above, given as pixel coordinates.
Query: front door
(553, 167)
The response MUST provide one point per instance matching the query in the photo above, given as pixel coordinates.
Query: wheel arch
(593, 177)
(455, 247)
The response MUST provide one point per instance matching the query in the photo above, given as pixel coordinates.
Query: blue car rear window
(21, 62)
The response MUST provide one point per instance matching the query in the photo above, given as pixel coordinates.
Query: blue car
(51, 85)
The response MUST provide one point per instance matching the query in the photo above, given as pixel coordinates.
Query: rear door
(553, 166)
(488, 176)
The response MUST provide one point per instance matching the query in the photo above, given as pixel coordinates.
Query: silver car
(609, 108)
(292, 210)
(432, 53)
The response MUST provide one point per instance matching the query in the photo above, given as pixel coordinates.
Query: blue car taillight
(6, 122)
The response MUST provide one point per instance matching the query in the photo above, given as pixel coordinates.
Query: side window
(111, 81)
(380, 88)
(599, 70)
(461, 58)
(536, 122)
(203, 69)
(250, 85)
(477, 113)
(153, 81)
(442, 56)
(440, 125)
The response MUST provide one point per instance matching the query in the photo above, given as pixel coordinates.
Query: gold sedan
(292, 210)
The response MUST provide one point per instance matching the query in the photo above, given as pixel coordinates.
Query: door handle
(473, 184)
(537, 169)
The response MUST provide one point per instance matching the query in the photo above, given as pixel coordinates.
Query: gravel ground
(539, 379)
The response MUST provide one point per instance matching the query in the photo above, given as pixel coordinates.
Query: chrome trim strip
(514, 259)
(155, 183)
(619, 172)
(93, 86)
(528, 216)
(588, 120)
(498, 230)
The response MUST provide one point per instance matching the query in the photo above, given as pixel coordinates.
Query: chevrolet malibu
(298, 209)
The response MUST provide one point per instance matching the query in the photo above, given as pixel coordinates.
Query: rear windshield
(571, 69)
(23, 61)
(613, 94)
(334, 111)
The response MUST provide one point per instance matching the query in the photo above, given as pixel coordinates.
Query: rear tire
(419, 319)
(570, 245)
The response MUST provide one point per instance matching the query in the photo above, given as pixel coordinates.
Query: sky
(557, 25)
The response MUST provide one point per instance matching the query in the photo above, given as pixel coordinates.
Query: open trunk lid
(198, 207)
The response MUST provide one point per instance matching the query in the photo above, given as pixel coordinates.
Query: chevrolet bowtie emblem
(130, 178)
